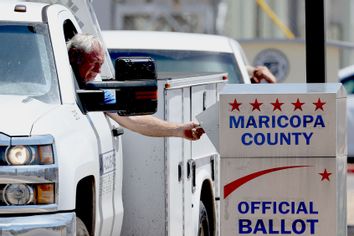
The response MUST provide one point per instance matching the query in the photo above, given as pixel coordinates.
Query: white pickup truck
(182, 52)
(59, 162)
(61, 157)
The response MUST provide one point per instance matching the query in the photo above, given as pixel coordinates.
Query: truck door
(108, 203)
(107, 161)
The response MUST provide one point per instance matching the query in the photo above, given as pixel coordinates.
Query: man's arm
(151, 126)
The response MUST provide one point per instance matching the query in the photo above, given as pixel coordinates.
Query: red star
(319, 104)
(235, 105)
(277, 105)
(256, 105)
(298, 105)
(325, 175)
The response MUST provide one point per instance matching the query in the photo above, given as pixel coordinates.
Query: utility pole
(315, 41)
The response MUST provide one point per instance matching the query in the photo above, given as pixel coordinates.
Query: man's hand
(260, 73)
(192, 131)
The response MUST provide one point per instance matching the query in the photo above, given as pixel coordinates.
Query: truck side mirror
(134, 93)
(135, 68)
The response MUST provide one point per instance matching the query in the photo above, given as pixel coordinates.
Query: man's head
(86, 56)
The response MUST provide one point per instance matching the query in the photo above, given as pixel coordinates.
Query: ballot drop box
(283, 159)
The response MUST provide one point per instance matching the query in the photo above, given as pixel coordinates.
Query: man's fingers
(197, 133)
(199, 130)
(263, 72)
(254, 80)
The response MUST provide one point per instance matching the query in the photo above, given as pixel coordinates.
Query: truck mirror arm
(131, 97)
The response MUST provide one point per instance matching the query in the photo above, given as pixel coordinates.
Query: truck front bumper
(40, 225)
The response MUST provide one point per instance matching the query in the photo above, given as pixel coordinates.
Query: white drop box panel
(283, 196)
(159, 195)
(283, 159)
(268, 120)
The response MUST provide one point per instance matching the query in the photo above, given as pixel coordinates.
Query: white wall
(103, 11)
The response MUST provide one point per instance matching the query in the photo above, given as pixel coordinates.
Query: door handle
(117, 131)
(204, 100)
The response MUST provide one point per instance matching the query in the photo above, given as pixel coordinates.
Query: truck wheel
(204, 229)
(81, 229)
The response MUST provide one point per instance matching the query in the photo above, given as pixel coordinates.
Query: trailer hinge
(191, 173)
(180, 171)
(212, 165)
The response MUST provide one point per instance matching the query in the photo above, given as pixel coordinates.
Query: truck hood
(18, 114)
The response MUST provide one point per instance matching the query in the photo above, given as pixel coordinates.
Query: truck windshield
(187, 61)
(26, 62)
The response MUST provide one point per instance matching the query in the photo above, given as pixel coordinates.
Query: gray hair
(84, 42)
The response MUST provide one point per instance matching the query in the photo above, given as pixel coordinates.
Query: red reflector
(224, 77)
(350, 168)
(146, 94)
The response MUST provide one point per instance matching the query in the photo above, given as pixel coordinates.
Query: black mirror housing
(135, 68)
(131, 98)
(135, 93)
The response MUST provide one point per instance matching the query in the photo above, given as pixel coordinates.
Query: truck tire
(204, 228)
(81, 229)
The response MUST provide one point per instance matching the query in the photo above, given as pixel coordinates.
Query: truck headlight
(29, 155)
(27, 194)
(18, 194)
(18, 155)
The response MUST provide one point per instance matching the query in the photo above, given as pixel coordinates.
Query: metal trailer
(166, 180)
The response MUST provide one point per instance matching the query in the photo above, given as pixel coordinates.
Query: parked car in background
(346, 77)
(181, 52)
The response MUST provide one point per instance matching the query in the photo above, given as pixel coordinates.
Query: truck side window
(69, 30)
